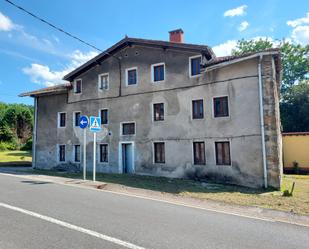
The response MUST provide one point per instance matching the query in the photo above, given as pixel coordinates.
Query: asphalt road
(47, 215)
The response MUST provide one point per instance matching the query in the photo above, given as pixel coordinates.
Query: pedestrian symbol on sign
(95, 124)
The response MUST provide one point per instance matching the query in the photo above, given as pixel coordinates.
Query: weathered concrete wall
(178, 130)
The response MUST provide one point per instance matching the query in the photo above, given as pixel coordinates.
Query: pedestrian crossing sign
(95, 124)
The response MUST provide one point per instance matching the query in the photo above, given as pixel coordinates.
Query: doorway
(127, 158)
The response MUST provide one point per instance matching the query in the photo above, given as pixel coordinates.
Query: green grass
(298, 203)
(15, 157)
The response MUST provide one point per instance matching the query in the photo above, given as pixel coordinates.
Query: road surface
(47, 215)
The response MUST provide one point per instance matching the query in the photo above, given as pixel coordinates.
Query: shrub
(27, 145)
(8, 146)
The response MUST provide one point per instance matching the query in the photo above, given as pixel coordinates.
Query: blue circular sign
(83, 122)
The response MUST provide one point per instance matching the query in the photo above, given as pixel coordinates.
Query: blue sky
(32, 55)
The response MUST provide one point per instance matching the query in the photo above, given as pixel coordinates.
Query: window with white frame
(61, 119)
(76, 118)
(77, 86)
(195, 65)
(158, 72)
(77, 153)
(128, 128)
(61, 153)
(104, 81)
(131, 76)
(103, 153)
(223, 154)
(199, 153)
(158, 112)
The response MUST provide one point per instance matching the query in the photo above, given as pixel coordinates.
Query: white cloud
(243, 26)
(5, 23)
(300, 34)
(225, 48)
(299, 21)
(239, 11)
(44, 75)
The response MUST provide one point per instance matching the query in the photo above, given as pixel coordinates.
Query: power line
(52, 25)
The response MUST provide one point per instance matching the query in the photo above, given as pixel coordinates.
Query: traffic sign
(95, 124)
(83, 122)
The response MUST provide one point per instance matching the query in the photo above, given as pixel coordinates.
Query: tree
(295, 58)
(294, 108)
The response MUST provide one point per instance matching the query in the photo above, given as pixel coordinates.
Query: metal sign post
(83, 123)
(95, 126)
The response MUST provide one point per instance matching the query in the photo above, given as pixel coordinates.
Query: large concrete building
(172, 109)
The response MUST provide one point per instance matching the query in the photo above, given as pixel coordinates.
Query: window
(199, 153)
(76, 118)
(158, 112)
(61, 119)
(104, 116)
(221, 107)
(103, 81)
(61, 153)
(195, 65)
(128, 128)
(159, 152)
(223, 153)
(197, 109)
(158, 72)
(78, 86)
(131, 76)
(77, 153)
(103, 153)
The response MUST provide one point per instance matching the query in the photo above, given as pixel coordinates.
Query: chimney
(176, 36)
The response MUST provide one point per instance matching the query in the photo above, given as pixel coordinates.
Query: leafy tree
(295, 58)
(294, 108)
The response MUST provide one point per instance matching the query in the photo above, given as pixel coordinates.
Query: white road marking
(72, 227)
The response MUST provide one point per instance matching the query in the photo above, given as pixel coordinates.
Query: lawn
(298, 202)
(15, 158)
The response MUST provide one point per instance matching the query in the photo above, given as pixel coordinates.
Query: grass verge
(15, 158)
(298, 203)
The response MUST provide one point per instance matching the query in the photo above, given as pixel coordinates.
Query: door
(127, 158)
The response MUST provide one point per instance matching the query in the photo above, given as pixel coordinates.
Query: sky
(33, 55)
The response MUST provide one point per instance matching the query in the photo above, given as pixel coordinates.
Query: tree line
(16, 124)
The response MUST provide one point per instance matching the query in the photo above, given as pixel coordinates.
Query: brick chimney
(176, 36)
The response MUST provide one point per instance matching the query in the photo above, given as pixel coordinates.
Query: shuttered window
(197, 109)
(159, 152)
(103, 153)
(104, 116)
(223, 153)
(221, 107)
(128, 128)
(199, 153)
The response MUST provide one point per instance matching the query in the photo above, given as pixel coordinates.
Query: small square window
(197, 109)
(223, 156)
(76, 118)
(103, 153)
(132, 76)
(77, 153)
(61, 153)
(103, 81)
(61, 119)
(158, 112)
(104, 116)
(128, 128)
(199, 153)
(78, 86)
(159, 152)
(221, 107)
(158, 73)
(195, 66)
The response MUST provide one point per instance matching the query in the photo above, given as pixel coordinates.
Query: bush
(8, 146)
(27, 145)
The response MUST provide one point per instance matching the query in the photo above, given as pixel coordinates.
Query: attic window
(78, 86)
(195, 65)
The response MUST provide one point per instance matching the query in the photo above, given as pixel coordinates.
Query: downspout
(262, 122)
(34, 132)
